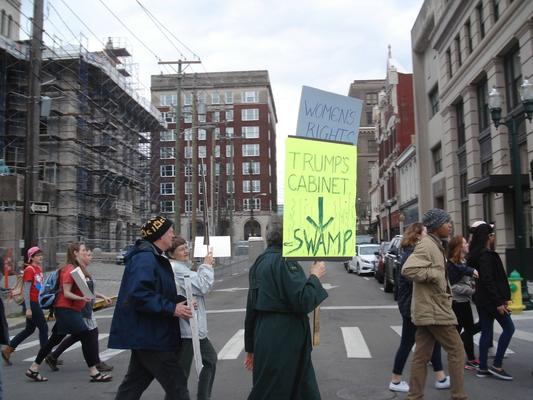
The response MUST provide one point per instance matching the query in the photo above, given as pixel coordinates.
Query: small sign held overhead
(39, 207)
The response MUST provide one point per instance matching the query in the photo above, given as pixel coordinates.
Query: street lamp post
(512, 122)
(388, 205)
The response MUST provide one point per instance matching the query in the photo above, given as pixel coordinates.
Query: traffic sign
(39, 207)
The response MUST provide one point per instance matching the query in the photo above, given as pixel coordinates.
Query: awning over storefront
(502, 183)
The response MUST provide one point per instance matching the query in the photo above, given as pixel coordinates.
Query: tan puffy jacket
(432, 296)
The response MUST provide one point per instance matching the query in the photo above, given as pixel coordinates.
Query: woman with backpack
(67, 306)
(88, 317)
(33, 279)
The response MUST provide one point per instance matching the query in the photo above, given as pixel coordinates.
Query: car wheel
(357, 270)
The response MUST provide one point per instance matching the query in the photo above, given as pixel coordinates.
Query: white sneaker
(401, 386)
(445, 384)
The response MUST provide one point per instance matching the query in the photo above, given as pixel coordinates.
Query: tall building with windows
(460, 51)
(367, 151)
(235, 135)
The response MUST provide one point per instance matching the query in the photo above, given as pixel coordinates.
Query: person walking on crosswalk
(201, 281)
(431, 307)
(145, 319)
(277, 336)
(33, 280)
(404, 290)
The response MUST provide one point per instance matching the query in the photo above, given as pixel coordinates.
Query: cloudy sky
(321, 43)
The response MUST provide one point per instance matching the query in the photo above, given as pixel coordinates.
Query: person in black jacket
(404, 291)
(492, 297)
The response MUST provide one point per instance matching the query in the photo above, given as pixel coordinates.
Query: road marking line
(366, 278)
(107, 354)
(355, 343)
(73, 347)
(233, 348)
(518, 334)
(384, 307)
(27, 345)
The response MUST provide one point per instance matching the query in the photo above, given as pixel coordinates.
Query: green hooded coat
(277, 328)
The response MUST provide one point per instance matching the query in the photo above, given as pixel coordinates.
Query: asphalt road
(353, 361)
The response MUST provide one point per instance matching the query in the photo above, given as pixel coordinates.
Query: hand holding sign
(208, 259)
(318, 269)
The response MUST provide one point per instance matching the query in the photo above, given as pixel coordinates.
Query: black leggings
(465, 320)
(71, 339)
(90, 351)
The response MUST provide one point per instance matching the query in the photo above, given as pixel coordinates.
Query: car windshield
(368, 250)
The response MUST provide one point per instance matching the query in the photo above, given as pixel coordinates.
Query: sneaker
(103, 367)
(52, 362)
(444, 384)
(500, 373)
(472, 365)
(401, 386)
(483, 373)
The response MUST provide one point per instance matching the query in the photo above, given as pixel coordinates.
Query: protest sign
(319, 217)
(328, 116)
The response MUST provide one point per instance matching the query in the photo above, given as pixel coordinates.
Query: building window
(485, 154)
(188, 187)
(369, 120)
(168, 116)
(217, 133)
(250, 97)
(201, 118)
(256, 202)
(228, 97)
(250, 132)
(187, 150)
(187, 118)
(434, 100)
(166, 153)
(250, 114)
(215, 98)
(496, 9)
(202, 169)
(188, 170)
(167, 100)
(202, 151)
(167, 136)
(372, 146)
(229, 115)
(202, 134)
(229, 169)
(436, 153)
(255, 184)
(449, 62)
(217, 169)
(255, 168)
(188, 206)
(458, 50)
(229, 150)
(167, 206)
(230, 204)
(483, 105)
(166, 188)
(460, 121)
(187, 134)
(4, 23)
(481, 20)
(513, 78)
(371, 98)
(229, 132)
(187, 99)
(217, 151)
(250, 150)
(166, 170)
(230, 187)
(468, 33)
(215, 116)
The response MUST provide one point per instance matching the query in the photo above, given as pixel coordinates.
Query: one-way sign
(37, 207)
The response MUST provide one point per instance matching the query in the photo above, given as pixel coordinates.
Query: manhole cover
(366, 393)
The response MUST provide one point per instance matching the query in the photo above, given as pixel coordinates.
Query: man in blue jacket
(146, 316)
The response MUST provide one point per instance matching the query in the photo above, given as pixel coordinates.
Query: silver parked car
(365, 259)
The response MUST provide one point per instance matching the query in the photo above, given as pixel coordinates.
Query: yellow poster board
(319, 216)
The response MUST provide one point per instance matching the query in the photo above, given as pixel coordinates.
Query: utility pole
(177, 181)
(30, 227)
(212, 181)
(194, 188)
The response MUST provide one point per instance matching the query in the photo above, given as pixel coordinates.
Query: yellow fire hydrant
(515, 284)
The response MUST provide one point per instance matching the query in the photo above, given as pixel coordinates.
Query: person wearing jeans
(404, 291)
(431, 307)
(492, 298)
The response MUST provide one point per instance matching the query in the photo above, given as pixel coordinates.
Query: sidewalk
(107, 278)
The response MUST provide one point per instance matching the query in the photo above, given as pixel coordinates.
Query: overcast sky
(321, 43)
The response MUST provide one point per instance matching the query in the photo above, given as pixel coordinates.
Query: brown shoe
(6, 354)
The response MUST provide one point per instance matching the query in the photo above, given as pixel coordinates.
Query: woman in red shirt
(67, 307)
(33, 279)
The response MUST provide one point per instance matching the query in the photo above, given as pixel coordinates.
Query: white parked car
(365, 259)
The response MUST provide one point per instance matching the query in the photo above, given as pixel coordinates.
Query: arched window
(3, 23)
(9, 32)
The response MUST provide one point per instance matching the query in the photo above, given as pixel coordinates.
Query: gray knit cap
(434, 218)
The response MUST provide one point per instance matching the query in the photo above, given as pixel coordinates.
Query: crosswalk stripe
(494, 343)
(109, 353)
(233, 347)
(355, 343)
(518, 334)
(73, 347)
(27, 345)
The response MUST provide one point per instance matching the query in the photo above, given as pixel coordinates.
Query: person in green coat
(277, 336)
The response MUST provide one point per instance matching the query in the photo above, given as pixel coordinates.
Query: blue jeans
(487, 315)
(406, 344)
(37, 320)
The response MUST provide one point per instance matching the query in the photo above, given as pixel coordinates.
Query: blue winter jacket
(144, 313)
